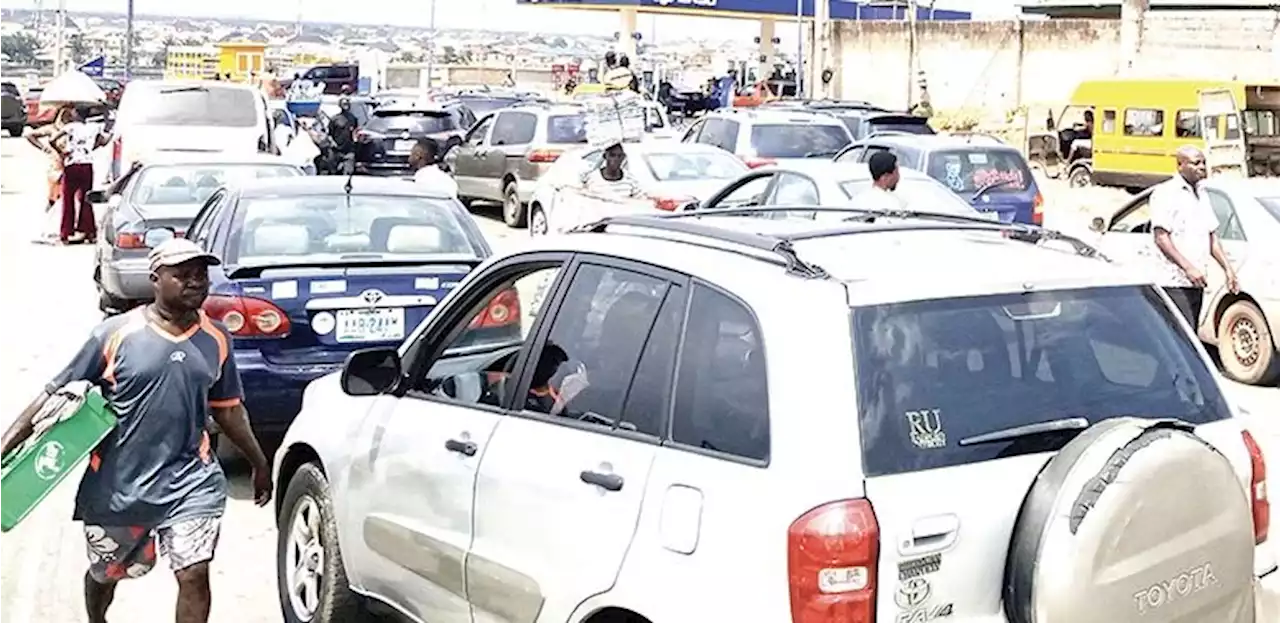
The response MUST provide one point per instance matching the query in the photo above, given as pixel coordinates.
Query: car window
(932, 374)
(692, 166)
(485, 105)
(722, 395)
(853, 123)
(853, 154)
(189, 184)
(480, 131)
(721, 133)
(412, 121)
(793, 189)
(1229, 227)
(566, 129)
(478, 361)
(1108, 122)
(1143, 122)
(1187, 124)
(514, 128)
(691, 135)
(795, 140)
(590, 357)
(871, 151)
(969, 169)
(188, 105)
(748, 194)
(317, 73)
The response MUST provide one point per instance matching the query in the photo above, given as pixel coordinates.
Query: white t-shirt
(625, 188)
(877, 198)
(80, 142)
(1190, 220)
(432, 177)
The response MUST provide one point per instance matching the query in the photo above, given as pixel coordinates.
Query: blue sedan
(314, 269)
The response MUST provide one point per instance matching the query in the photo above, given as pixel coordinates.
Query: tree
(162, 56)
(21, 48)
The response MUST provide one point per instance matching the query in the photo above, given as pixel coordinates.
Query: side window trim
(739, 183)
(526, 365)
(479, 128)
(200, 229)
(1232, 224)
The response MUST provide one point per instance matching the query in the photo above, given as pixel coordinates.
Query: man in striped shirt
(611, 179)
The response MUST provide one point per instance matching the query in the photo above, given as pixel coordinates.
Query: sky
(492, 14)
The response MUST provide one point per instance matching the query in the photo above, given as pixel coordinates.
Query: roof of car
(160, 158)
(781, 115)
(408, 105)
(841, 171)
(313, 186)
(178, 84)
(935, 142)
(1253, 186)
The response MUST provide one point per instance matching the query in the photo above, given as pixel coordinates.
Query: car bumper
(127, 278)
(525, 189)
(272, 391)
(1266, 597)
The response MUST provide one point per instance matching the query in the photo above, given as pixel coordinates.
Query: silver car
(162, 191)
(762, 137)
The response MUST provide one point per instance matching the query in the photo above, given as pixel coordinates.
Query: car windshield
(326, 228)
(194, 105)
(1272, 205)
(969, 169)
(680, 167)
(412, 121)
(916, 194)
(795, 140)
(566, 129)
(484, 105)
(172, 184)
(933, 373)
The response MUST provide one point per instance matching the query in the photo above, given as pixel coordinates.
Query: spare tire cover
(1133, 520)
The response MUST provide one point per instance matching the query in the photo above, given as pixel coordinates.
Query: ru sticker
(926, 428)
(917, 567)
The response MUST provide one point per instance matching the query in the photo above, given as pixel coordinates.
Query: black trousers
(1189, 301)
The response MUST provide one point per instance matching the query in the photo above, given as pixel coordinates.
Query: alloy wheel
(304, 559)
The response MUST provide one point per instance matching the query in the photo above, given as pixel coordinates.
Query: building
(191, 62)
(240, 59)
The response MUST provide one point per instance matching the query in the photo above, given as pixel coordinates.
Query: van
(189, 116)
(1121, 132)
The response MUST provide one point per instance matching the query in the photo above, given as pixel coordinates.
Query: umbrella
(72, 87)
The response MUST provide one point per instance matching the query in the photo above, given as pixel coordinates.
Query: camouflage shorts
(123, 552)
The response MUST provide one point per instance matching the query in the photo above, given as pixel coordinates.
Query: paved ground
(52, 307)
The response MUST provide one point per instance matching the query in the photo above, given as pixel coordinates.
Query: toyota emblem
(913, 593)
(372, 297)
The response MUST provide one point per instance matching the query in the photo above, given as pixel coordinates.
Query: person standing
(154, 481)
(1186, 234)
(41, 138)
(885, 175)
(425, 161)
(75, 142)
(342, 128)
(625, 63)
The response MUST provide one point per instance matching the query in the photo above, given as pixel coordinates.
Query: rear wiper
(993, 185)
(1028, 430)
(190, 89)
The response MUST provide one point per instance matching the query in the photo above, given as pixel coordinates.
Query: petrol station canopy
(759, 9)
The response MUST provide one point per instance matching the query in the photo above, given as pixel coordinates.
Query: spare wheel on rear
(1133, 520)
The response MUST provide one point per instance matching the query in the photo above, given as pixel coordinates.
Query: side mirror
(96, 196)
(371, 371)
(1048, 123)
(157, 236)
(691, 205)
(1097, 224)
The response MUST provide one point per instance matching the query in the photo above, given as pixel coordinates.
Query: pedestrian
(625, 63)
(611, 180)
(1186, 233)
(617, 77)
(342, 128)
(162, 368)
(610, 60)
(41, 138)
(885, 175)
(424, 159)
(75, 143)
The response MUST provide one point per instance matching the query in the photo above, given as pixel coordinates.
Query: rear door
(513, 132)
(1226, 153)
(467, 158)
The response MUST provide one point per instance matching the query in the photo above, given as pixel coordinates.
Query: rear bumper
(273, 392)
(127, 278)
(1266, 597)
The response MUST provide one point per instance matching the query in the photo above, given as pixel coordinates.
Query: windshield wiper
(190, 89)
(822, 154)
(989, 187)
(1028, 430)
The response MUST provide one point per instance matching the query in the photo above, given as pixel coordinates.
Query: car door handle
(467, 448)
(610, 482)
(930, 534)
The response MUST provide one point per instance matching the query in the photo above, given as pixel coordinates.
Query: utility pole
(800, 49)
(128, 42)
(913, 7)
(60, 21)
(821, 45)
(431, 52)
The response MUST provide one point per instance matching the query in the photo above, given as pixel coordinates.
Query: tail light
(503, 310)
(755, 163)
(671, 204)
(832, 553)
(543, 156)
(1258, 490)
(1037, 209)
(117, 157)
(248, 317)
(130, 240)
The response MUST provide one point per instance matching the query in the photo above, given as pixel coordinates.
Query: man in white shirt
(425, 159)
(1185, 230)
(883, 167)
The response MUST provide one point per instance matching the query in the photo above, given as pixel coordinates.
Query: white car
(1244, 326)
(672, 174)
(764, 136)
(730, 419)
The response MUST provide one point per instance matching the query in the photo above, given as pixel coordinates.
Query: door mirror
(371, 371)
(1097, 224)
(157, 236)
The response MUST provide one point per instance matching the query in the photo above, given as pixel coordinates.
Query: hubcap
(304, 559)
(539, 223)
(513, 206)
(1244, 342)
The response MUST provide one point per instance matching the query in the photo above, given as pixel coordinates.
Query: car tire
(1246, 346)
(109, 305)
(1080, 177)
(14, 130)
(537, 220)
(1106, 526)
(326, 596)
(513, 213)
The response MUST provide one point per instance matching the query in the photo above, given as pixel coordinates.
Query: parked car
(504, 153)
(13, 108)
(671, 174)
(764, 136)
(1244, 326)
(863, 119)
(983, 172)
(337, 78)
(311, 273)
(196, 115)
(483, 101)
(161, 191)
(823, 183)
(383, 144)
(741, 419)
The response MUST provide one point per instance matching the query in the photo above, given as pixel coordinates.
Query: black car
(14, 109)
(384, 143)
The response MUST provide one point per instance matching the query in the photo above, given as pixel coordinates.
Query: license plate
(405, 145)
(370, 325)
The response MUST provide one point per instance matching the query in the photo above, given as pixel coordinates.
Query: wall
(1000, 65)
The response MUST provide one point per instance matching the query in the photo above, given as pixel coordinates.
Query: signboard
(840, 9)
(95, 67)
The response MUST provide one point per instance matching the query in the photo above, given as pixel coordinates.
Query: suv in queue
(384, 142)
(505, 152)
(716, 418)
(764, 136)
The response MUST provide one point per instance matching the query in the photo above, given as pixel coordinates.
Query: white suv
(726, 419)
(763, 136)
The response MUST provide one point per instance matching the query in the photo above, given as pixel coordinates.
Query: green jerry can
(68, 428)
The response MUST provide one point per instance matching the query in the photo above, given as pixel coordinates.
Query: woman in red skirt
(76, 142)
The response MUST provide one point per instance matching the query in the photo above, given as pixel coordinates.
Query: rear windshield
(796, 140)
(412, 121)
(566, 129)
(900, 124)
(192, 106)
(915, 194)
(681, 167)
(186, 183)
(325, 228)
(967, 170)
(933, 373)
(484, 105)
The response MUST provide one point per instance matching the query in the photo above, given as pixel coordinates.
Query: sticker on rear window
(977, 158)
(926, 429)
(284, 290)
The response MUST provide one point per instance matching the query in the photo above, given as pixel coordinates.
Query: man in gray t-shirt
(162, 369)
